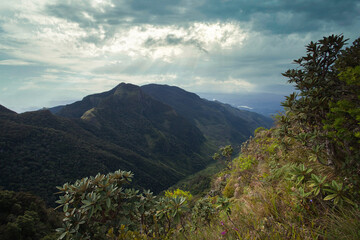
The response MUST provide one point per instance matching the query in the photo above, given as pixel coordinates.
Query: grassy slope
(267, 204)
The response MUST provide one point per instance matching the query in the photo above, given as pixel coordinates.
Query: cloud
(282, 16)
(73, 48)
(278, 16)
(114, 13)
(30, 85)
(64, 43)
(14, 62)
(230, 85)
(246, 107)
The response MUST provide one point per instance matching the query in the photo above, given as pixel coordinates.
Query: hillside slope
(220, 123)
(40, 151)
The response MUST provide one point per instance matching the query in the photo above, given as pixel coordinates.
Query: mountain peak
(5, 110)
(126, 89)
(173, 91)
(124, 85)
(121, 91)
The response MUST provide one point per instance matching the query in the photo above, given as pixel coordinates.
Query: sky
(57, 51)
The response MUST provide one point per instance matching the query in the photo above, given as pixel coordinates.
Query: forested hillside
(220, 123)
(124, 128)
(25, 216)
(40, 150)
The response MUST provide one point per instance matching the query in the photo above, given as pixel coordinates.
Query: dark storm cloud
(279, 16)
(72, 13)
(157, 8)
(284, 16)
(122, 12)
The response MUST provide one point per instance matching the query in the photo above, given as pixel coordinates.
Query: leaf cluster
(311, 186)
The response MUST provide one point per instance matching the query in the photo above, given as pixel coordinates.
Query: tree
(224, 156)
(324, 114)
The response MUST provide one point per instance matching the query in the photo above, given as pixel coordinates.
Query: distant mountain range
(160, 133)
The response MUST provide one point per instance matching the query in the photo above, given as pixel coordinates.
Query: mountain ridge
(123, 128)
(206, 114)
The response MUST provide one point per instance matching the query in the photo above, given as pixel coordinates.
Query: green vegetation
(100, 208)
(178, 193)
(224, 155)
(324, 116)
(276, 195)
(298, 180)
(25, 216)
(199, 184)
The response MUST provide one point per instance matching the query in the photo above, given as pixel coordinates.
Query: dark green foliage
(310, 186)
(101, 207)
(224, 156)
(317, 184)
(339, 193)
(25, 216)
(317, 83)
(324, 115)
(93, 205)
(343, 121)
(300, 174)
(203, 212)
